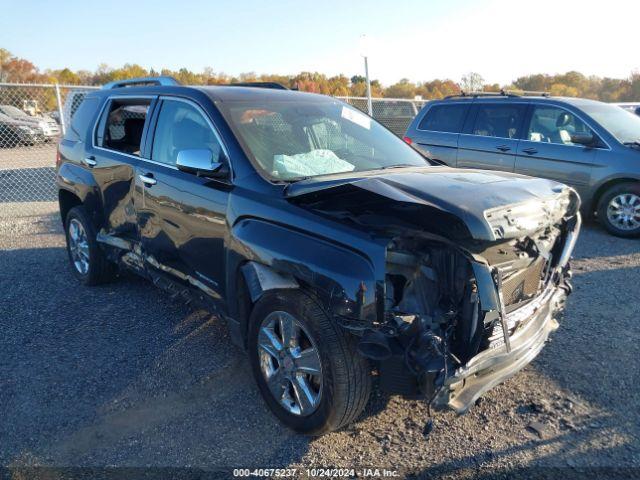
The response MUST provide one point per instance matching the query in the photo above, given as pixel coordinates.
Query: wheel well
(67, 200)
(606, 186)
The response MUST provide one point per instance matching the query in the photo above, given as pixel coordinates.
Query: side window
(181, 126)
(501, 121)
(444, 118)
(81, 118)
(124, 126)
(554, 125)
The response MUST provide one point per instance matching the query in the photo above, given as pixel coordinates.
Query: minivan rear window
(444, 118)
(503, 121)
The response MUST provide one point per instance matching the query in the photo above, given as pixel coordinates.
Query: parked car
(632, 107)
(329, 246)
(47, 125)
(14, 132)
(589, 145)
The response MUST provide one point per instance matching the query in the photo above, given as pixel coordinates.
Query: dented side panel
(344, 278)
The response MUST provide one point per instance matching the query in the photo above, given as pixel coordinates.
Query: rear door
(182, 217)
(436, 135)
(491, 136)
(117, 144)
(547, 151)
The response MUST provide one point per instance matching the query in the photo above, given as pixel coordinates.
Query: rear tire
(344, 382)
(88, 262)
(619, 210)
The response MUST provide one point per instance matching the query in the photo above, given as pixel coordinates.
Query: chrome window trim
(212, 126)
(158, 97)
(490, 136)
(553, 105)
(204, 114)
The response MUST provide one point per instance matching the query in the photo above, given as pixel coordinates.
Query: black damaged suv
(332, 249)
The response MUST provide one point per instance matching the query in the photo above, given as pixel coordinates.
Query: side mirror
(200, 162)
(585, 139)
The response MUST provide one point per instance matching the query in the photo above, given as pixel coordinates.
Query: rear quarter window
(81, 120)
(444, 118)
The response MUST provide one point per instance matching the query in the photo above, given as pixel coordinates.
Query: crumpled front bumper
(534, 321)
(493, 366)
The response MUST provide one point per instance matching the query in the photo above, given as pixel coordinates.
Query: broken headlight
(523, 218)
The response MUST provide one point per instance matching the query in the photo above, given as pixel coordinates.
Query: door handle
(530, 150)
(503, 148)
(147, 180)
(90, 161)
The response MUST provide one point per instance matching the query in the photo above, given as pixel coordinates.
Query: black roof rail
(140, 81)
(501, 93)
(272, 85)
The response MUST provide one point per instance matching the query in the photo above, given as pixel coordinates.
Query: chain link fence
(394, 113)
(33, 118)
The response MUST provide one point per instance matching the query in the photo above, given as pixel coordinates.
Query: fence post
(366, 72)
(60, 110)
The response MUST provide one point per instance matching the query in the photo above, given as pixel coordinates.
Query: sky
(418, 40)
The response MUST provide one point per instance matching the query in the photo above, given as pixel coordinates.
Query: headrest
(563, 119)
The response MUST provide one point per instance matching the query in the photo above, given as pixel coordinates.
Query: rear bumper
(493, 366)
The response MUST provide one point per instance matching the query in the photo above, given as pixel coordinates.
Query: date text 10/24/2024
(317, 472)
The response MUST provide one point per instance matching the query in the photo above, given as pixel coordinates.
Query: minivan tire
(622, 189)
(345, 375)
(99, 269)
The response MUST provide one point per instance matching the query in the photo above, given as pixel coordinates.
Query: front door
(547, 150)
(492, 141)
(182, 217)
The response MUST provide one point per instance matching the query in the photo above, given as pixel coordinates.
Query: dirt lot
(120, 376)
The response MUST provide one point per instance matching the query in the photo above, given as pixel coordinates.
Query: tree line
(573, 84)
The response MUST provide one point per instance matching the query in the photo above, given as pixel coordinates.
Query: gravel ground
(119, 375)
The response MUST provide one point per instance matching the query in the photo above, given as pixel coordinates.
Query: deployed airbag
(315, 162)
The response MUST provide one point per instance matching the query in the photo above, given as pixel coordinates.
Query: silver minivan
(591, 146)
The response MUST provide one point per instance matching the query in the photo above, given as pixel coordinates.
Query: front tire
(619, 210)
(306, 367)
(88, 262)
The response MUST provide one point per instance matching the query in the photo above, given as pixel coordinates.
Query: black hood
(464, 194)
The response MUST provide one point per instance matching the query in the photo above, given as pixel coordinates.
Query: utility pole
(364, 51)
(366, 73)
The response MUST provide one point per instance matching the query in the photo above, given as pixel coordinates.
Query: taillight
(58, 159)
(408, 140)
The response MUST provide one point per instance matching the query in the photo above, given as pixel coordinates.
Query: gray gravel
(119, 375)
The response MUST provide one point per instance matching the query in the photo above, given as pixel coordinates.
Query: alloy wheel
(623, 211)
(78, 246)
(290, 363)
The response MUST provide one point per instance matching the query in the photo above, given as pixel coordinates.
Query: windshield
(620, 123)
(290, 140)
(12, 111)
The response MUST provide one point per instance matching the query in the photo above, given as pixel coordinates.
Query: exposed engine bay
(471, 288)
(434, 318)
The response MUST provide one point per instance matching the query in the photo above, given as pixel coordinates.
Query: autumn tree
(18, 70)
(403, 89)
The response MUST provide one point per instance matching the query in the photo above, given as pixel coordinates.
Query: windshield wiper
(400, 165)
(632, 144)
